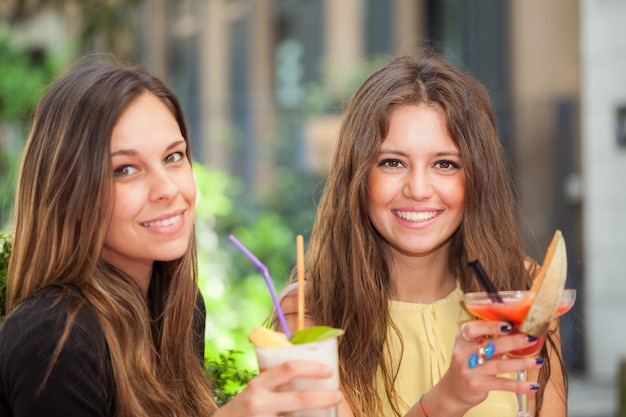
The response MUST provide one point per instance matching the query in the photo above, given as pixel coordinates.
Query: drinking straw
(300, 271)
(268, 280)
(486, 283)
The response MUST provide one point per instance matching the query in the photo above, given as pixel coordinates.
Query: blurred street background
(264, 83)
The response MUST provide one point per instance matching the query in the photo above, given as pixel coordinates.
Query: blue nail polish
(489, 350)
(506, 328)
(531, 338)
(539, 361)
(473, 361)
(534, 387)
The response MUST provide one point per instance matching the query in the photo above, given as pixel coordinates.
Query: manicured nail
(531, 338)
(539, 361)
(489, 350)
(506, 328)
(534, 387)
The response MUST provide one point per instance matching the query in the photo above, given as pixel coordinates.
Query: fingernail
(473, 361)
(539, 361)
(489, 350)
(531, 338)
(534, 387)
(506, 328)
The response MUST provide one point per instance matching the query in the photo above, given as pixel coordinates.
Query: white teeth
(416, 216)
(164, 223)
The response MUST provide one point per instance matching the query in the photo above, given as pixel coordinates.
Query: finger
(464, 333)
(258, 402)
(306, 400)
(484, 352)
(284, 373)
(518, 345)
(506, 366)
(511, 385)
(475, 330)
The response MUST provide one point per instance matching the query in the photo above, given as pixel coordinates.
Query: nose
(162, 185)
(418, 184)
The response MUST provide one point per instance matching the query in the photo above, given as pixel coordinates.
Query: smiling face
(417, 184)
(154, 190)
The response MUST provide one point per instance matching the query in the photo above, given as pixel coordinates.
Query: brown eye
(173, 157)
(124, 171)
(390, 163)
(447, 165)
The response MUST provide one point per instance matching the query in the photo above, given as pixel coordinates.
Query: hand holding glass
(324, 351)
(514, 309)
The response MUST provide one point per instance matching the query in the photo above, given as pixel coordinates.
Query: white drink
(324, 352)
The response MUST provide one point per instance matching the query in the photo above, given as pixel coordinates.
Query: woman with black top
(104, 314)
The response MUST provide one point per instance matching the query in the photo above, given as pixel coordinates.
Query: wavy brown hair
(63, 205)
(347, 260)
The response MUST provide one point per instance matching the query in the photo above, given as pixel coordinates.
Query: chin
(170, 255)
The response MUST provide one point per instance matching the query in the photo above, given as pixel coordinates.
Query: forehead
(147, 121)
(417, 124)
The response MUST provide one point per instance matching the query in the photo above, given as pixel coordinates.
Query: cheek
(123, 214)
(375, 189)
(189, 188)
(455, 194)
(191, 201)
(125, 204)
(459, 196)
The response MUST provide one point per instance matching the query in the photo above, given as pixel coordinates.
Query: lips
(164, 222)
(416, 216)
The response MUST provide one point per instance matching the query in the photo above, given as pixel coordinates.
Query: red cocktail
(513, 309)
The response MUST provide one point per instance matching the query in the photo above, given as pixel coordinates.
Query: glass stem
(522, 400)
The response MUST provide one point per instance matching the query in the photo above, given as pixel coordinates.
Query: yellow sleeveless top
(428, 332)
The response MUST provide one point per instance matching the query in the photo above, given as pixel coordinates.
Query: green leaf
(314, 334)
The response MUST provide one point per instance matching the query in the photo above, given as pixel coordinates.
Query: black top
(81, 382)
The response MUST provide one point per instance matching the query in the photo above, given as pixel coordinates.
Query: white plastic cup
(324, 352)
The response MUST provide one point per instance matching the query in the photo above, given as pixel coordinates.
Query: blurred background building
(259, 78)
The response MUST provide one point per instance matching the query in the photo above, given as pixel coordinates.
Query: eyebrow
(132, 152)
(434, 154)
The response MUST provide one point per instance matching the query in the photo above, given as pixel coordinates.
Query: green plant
(228, 379)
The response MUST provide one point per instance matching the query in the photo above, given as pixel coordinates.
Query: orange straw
(300, 271)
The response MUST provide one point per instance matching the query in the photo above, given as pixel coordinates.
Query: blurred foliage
(8, 173)
(109, 21)
(24, 75)
(5, 251)
(235, 293)
(107, 25)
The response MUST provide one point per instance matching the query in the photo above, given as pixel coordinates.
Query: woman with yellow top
(417, 188)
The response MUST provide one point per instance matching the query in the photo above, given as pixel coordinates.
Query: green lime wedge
(314, 334)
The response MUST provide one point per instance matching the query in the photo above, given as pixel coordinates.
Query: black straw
(485, 281)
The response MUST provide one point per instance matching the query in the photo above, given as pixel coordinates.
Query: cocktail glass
(514, 309)
(324, 351)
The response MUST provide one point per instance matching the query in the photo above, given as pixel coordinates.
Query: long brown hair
(63, 206)
(348, 271)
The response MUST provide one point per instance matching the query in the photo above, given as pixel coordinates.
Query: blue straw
(268, 280)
